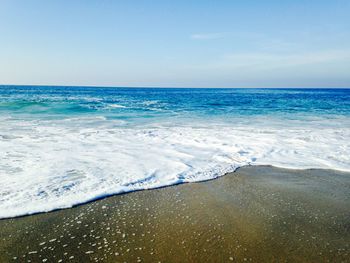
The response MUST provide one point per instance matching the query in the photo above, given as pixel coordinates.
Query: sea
(64, 146)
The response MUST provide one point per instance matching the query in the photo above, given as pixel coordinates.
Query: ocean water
(62, 146)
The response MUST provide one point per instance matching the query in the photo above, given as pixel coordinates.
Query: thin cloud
(208, 36)
(265, 61)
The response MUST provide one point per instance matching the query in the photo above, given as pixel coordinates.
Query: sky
(227, 43)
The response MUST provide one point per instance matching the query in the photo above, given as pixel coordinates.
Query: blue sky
(176, 43)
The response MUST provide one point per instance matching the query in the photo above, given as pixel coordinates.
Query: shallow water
(62, 146)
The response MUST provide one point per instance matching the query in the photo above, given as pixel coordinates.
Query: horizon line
(161, 87)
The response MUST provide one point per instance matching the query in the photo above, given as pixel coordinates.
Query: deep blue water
(125, 103)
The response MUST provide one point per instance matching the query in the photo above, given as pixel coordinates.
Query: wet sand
(257, 214)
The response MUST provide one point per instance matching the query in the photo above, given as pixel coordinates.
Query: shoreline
(256, 214)
(96, 199)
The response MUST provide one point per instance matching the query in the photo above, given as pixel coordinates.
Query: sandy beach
(257, 214)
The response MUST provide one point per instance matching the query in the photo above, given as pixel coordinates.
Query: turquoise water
(61, 146)
(140, 103)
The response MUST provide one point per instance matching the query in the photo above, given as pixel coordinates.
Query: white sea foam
(46, 165)
(116, 106)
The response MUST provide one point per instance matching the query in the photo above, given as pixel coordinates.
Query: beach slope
(257, 214)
